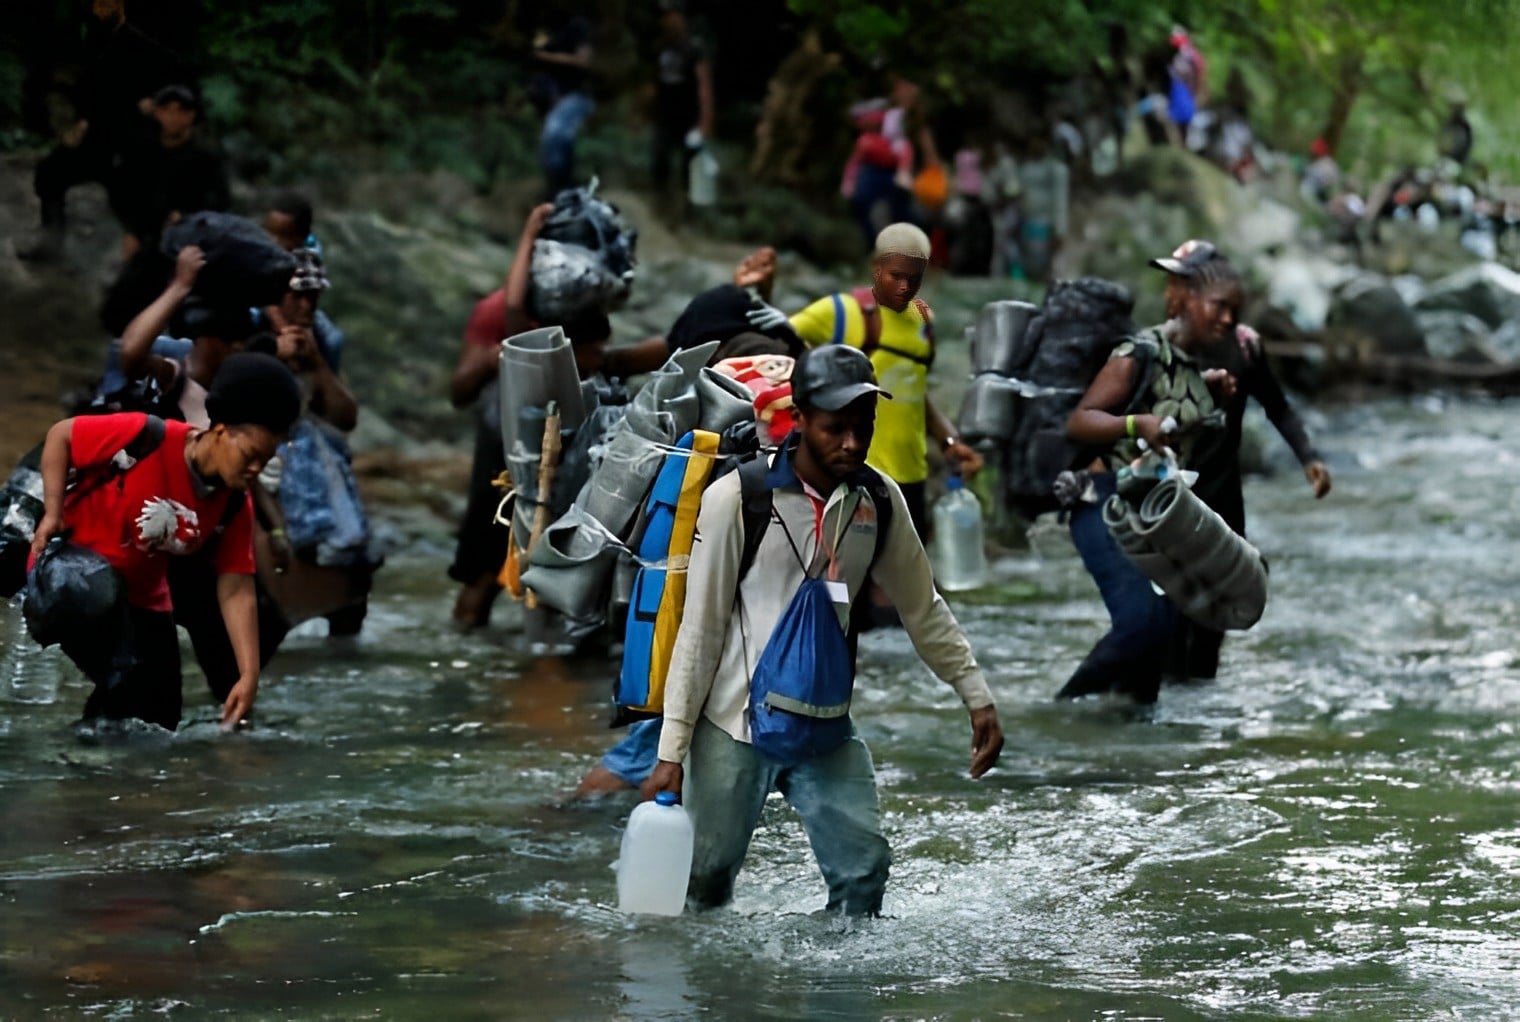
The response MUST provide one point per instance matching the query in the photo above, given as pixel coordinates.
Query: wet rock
(1302, 285)
(1457, 336)
(1371, 310)
(1488, 291)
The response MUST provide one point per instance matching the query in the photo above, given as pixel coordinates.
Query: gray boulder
(1487, 290)
(1371, 309)
(1457, 336)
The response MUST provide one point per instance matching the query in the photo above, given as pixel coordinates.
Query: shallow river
(1331, 831)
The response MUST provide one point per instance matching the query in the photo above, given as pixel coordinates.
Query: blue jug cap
(666, 798)
(954, 483)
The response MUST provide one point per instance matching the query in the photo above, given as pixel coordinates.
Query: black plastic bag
(244, 267)
(71, 590)
(20, 511)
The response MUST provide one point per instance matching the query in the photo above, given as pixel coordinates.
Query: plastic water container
(702, 182)
(960, 561)
(655, 863)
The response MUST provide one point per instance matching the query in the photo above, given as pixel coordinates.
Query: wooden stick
(548, 464)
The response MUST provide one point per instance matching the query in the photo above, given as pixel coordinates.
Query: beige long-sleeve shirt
(721, 636)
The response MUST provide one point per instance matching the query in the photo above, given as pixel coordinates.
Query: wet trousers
(133, 659)
(727, 782)
(1131, 656)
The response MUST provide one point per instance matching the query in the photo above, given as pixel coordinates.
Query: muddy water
(1330, 831)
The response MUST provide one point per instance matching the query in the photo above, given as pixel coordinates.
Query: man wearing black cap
(150, 489)
(825, 515)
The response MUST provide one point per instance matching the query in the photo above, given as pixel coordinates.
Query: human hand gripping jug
(960, 562)
(655, 862)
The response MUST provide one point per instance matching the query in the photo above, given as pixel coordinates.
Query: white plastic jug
(702, 184)
(655, 862)
(960, 562)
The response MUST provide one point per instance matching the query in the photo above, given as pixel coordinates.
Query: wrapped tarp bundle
(571, 567)
(582, 260)
(536, 370)
(536, 367)
(1209, 571)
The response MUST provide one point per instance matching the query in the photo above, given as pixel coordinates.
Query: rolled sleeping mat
(535, 368)
(1167, 574)
(1217, 560)
(1120, 519)
(988, 410)
(571, 567)
(997, 340)
(1240, 596)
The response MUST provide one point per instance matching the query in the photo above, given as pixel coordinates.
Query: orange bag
(931, 187)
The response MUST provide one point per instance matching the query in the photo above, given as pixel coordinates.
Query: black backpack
(1066, 345)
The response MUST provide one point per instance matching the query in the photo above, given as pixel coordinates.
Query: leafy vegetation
(316, 87)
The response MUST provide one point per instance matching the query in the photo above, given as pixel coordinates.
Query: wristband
(951, 441)
(277, 533)
(1129, 426)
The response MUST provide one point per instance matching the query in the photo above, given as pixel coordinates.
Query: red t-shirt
(488, 322)
(152, 510)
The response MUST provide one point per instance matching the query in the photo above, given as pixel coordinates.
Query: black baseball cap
(832, 376)
(1188, 257)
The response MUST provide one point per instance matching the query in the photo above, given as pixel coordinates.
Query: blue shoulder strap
(839, 320)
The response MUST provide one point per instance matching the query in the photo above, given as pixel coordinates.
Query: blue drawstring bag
(799, 694)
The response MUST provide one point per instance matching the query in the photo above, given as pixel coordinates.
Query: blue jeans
(872, 185)
(725, 789)
(1130, 657)
(633, 758)
(556, 146)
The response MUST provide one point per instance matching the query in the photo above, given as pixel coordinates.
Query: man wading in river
(825, 510)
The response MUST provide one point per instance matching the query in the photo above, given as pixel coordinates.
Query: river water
(1330, 831)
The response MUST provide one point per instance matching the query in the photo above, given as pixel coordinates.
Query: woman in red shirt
(189, 491)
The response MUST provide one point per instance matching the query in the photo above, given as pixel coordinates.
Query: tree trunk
(1345, 91)
(783, 136)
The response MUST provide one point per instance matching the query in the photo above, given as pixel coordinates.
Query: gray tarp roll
(571, 569)
(537, 367)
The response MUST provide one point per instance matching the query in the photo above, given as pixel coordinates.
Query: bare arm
(632, 359)
(942, 431)
(331, 398)
(521, 271)
(54, 468)
(240, 612)
(479, 363)
(705, 98)
(137, 341)
(1094, 422)
(581, 57)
